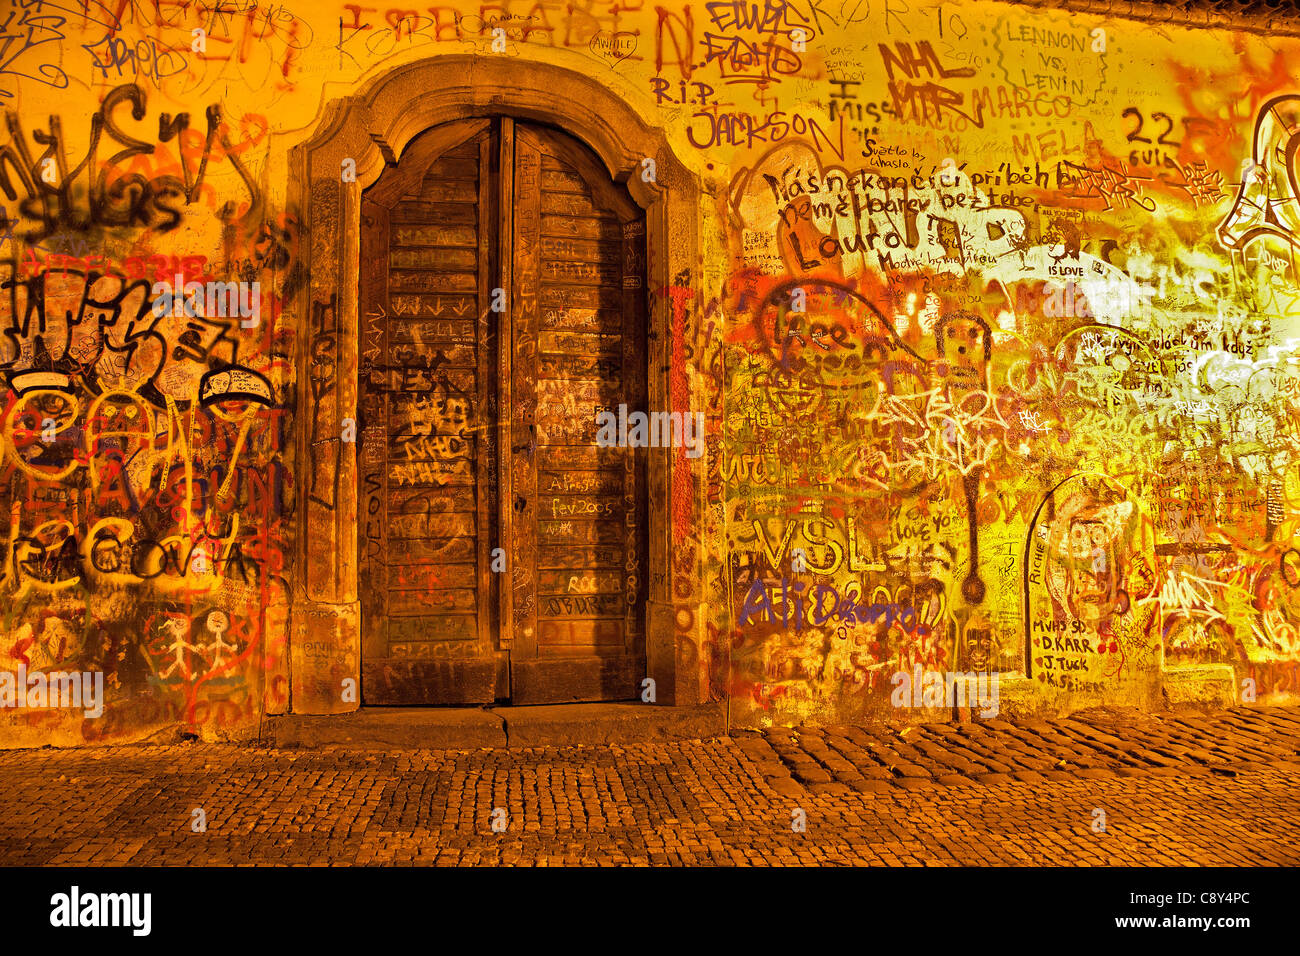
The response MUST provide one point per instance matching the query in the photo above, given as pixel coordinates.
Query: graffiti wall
(994, 324)
(1008, 369)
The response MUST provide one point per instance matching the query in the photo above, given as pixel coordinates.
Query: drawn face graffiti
(120, 425)
(1092, 581)
(965, 346)
(39, 433)
(1088, 543)
(981, 646)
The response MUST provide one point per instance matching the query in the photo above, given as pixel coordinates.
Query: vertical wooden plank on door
(489, 580)
(525, 278)
(636, 585)
(504, 222)
(372, 437)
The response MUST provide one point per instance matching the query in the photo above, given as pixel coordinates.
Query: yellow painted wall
(996, 323)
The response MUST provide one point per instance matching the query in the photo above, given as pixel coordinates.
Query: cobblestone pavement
(1182, 788)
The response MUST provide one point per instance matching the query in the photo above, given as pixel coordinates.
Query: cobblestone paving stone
(1177, 788)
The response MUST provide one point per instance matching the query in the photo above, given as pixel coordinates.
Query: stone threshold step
(514, 728)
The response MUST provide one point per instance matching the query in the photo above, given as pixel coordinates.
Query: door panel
(478, 427)
(577, 310)
(428, 620)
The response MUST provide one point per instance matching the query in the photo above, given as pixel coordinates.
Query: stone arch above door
(372, 129)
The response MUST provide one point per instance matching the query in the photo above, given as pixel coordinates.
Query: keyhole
(521, 503)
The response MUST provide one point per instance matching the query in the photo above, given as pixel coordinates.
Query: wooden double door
(503, 304)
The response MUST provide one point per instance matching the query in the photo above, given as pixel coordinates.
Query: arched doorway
(363, 134)
(502, 301)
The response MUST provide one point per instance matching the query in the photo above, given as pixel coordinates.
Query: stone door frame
(372, 128)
